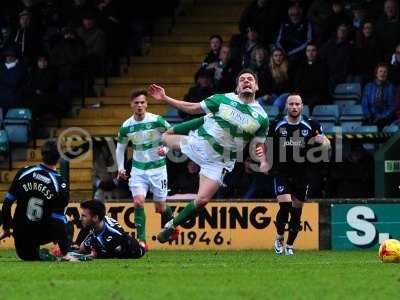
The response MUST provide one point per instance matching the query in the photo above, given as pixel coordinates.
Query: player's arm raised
(120, 153)
(158, 93)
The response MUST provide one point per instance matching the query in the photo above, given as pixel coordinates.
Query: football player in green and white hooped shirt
(149, 171)
(232, 121)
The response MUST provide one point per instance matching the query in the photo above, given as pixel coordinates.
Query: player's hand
(122, 174)
(264, 167)
(319, 138)
(6, 233)
(157, 92)
(162, 151)
(260, 150)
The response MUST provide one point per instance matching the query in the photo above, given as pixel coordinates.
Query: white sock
(279, 237)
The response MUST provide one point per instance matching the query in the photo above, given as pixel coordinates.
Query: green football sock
(167, 214)
(188, 212)
(185, 127)
(140, 221)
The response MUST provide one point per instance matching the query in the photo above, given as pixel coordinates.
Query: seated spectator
(241, 51)
(12, 76)
(95, 41)
(41, 96)
(368, 52)
(68, 59)
(339, 55)
(337, 17)
(359, 14)
(203, 89)
(311, 79)
(378, 99)
(212, 57)
(388, 27)
(26, 38)
(225, 72)
(317, 14)
(264, 16)
(186, 182)
(294, 35)
(394, 67)
(278, 83)
(259, 64)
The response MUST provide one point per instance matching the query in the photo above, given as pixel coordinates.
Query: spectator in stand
(394, 67)
(359, 14)
(388, 27)
(278, 83)
(203, 89)
(52, 22)
(110, 22)
(74, 11)
(259, 64)
(95, 41)
(212, 57)
(225, 72)
(12, 77)
(339, 55)
(378, 99)
(337, 17)
(26, 38)
(318, 12)
(42, 86)
(241, 53)
(311, 79)
(264, 16)
(368, 52)
(186, 182)
(294, 35)
(68, 57)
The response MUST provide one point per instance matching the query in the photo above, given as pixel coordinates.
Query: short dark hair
(216, 36)
(244, 71)
(96, 208)
(381, 65)
(50, 153)
(136, 93)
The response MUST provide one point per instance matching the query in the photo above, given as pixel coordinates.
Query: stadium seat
(393, 128)
(352, 113)
(351, 128)
(17, 124)
(272, 111)
(343, 103)
(328, 127)
(348, 91)
(5, 147)
(172, 115)
(326, 113)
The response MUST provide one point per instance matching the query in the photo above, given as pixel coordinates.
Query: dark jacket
(389, 32)
(293, 38)
(11, 82)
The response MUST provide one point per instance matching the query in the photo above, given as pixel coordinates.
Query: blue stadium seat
(352, 113)
(172, 115)
(351, 128)
(328, 127)
(349, 91)
(326, 113)
(343, 103)
(4, 145)
(272, 111)
(17, 124)
(393, 128)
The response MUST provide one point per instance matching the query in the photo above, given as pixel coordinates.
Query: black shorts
(297, 186)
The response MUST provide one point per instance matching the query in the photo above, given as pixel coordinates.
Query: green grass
(205, 275)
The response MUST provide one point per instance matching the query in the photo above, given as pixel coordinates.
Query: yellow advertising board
(220, 226)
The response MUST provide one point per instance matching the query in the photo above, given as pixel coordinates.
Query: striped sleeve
(164, 125)
(123, 135)
(210, 105)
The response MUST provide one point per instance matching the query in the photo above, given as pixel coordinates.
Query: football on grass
(389, 251)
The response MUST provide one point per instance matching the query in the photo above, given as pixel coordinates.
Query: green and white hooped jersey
(230, 124)
(145, 137)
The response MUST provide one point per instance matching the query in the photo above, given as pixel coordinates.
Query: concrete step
(81, 175)
(109, 131)
(121, 90)
(226, 19)
(179, 50)
(119, 100)
(82, 122)
(146, 81)
(164, 70)
(116, 112)
(168, 59)
(217, 10)
(198, 28)
(195, 38)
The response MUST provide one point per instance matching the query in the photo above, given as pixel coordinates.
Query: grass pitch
(195, 275)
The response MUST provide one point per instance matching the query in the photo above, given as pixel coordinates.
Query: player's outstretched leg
(282, 218)
(294, 226)
(140, 218)
(207, 189)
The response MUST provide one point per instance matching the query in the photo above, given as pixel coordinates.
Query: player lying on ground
(295, 136)
(149, 171)
(233, 120)
(41, 195)
(106, 238)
